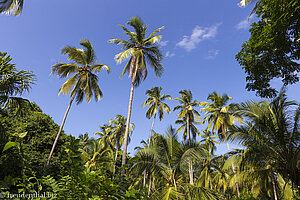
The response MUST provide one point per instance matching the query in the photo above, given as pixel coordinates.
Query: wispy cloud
(169, 54)
(198, 35)
(244, 24)
(212, 53)
(163, 43)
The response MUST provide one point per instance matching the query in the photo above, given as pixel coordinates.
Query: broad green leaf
(8, 145)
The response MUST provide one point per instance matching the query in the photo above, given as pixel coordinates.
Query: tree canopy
(273, 49)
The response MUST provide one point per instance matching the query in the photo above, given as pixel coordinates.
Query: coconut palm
(193, 130)
(188, 114)
(220, 117)
(156, 105)
(13, 83)
(140, 50)
(84, 81)
(271, 135)
(187, 111)
(118, 126)
(97, 153)
(14, 7)
(209, 166)
(208, 139)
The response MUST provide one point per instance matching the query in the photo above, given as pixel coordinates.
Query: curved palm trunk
(128, 121)
(60, 129)
(233, 169)
(151, 130)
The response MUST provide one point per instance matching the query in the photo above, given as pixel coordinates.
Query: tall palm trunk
(60, 129)
(189, 139)
(188, 127)
(233, 169)
(151, 130)
(116, 156)
(149, 141)
(128, 118)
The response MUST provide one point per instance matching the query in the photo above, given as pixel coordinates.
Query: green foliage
(246, 197)
(12, 84)
(273, 50)
(188, 114)
(83, 82)
(13, 7)
(140, 50)
(31, 146)
(156, 104)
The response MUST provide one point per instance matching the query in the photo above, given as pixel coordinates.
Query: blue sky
(200, 41)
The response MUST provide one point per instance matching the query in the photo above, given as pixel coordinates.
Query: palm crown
(118, 129)
(187, 111)
(156, 104)
(140, 50)
(84, 82)
(219, 115)
(13, 83)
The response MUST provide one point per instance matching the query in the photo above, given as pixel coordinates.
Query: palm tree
(208, 139)
(84, 82)
(118, 126)
(220, 117)
(14, 7)
(209, 166)
(96, 153)
(187, 111)
(188, 114)
(156, 105)
(184, 126)
(13, 83)
(271, 135)
(140, 50)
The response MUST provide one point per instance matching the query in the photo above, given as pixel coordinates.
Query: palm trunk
(274, 187)
(151, 130)
(191, 173)
(144, 179)
(189, 139)
(60, 129)
(233, 169)
(149, 187)
(116, 156)
(188, 127)
(128, 120)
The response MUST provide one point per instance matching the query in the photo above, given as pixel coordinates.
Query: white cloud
(212, 53)
(163, 43)
(169, 54)
(198, 35)
(244, 24)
